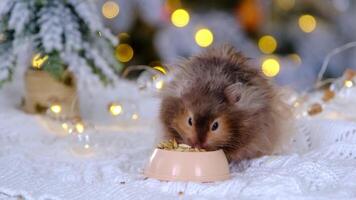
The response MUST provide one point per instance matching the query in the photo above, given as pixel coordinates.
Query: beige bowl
(188, 166)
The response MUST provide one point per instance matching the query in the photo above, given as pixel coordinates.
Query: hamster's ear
(233, 93)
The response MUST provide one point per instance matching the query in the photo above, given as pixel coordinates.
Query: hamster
(216, 100)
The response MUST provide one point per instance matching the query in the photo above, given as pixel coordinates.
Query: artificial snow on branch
(68, 32)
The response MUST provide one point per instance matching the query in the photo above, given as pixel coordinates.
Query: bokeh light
(37, 61)
(204, 37)
(348, 83)
(124, 52)
(267, 44)
(115, 109)
(180, 18)
(79, 127)
(307, 23)
(110, 9)
(270, 67)
(250, 14)
(285, 4)
(56, 108)
(65, 126)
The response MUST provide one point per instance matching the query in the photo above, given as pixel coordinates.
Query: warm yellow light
(267, 44)
(270, 67)
(204, 37)
(86, 146)
(110, 9)
(160, 68)
(295, 58)
(37, 61)
(65, 126)
(56, 108)
(124, 52)
(307, 23)
(79, 127)
(285, 4)
(348, 83)
(134, 116)
(159, 84)
(180, 18)
(115, 109)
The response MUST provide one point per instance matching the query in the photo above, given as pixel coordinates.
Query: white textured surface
(38, 164)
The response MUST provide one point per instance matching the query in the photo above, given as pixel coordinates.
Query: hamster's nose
(193, 143)
(198, 145)
(204, 145)
(190, 141)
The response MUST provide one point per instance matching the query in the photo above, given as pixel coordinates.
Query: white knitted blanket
(36, 163)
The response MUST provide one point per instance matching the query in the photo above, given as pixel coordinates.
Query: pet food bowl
(188, 166)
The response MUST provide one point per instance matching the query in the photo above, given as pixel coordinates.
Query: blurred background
(287, 39)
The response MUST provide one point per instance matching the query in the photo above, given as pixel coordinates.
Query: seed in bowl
(174, 146)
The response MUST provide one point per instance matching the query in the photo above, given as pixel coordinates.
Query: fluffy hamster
(215, 100)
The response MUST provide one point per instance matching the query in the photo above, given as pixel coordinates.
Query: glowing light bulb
(160, 68)
(124, 52)
(56, 108)
(204, 37)
(348, 83)
(267, 44)
(159, 84)
(65, 126)
(115, 109)
(110, 9)
(180, 18)
(270, 67)
(68, 128)
(79, 127)
(37, 61)
(307, 23)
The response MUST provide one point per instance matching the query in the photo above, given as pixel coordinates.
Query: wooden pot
(42, 91)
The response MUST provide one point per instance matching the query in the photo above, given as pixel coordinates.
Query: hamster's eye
(215, 126)
(190, 121)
